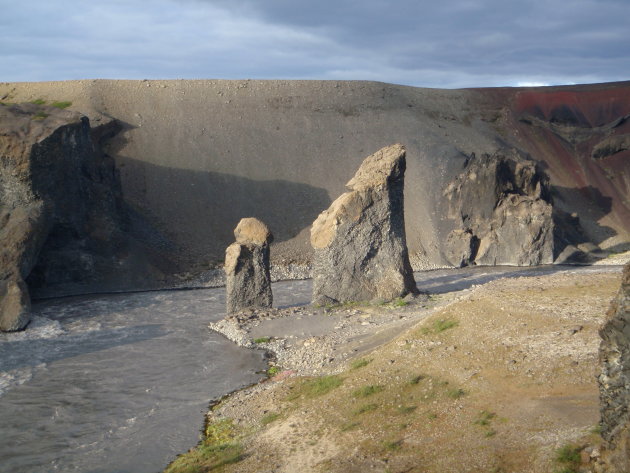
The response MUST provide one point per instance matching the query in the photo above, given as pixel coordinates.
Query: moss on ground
(220, 447)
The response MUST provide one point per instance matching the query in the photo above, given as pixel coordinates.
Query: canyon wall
(194, 157)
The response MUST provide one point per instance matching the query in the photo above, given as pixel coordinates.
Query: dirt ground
(494, 379)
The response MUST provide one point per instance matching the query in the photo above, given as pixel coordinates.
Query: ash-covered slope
(197, 156)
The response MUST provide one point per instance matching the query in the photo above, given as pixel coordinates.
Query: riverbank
(494, 377)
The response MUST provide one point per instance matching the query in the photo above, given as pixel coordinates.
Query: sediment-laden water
(114, 383)
(119, 383)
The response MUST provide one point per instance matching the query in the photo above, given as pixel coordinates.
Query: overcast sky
(439, 43)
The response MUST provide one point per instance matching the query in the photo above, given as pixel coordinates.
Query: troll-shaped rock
(248, 282)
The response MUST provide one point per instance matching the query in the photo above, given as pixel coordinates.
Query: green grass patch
(62, 105)
(393, 304)
(207, 458)
(40, 116)
(219, 448)
(399, 302)
(568, 457)
(439, 326)
(360, 363)
(315, 387)
(262, 340)
(484, 418)
(366, 391)
(220, 431)
(269, 418)
(274, 370)
(38, 101)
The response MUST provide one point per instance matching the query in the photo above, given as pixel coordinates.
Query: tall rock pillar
(360, 243)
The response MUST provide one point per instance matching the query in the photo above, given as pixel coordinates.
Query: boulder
(614, 381)
(248, 282)
(15, 304)
(360, 248)
(502, 210)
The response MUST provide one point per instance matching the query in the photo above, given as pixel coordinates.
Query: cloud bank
(452, 43)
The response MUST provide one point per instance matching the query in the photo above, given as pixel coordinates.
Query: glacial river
(119, 383)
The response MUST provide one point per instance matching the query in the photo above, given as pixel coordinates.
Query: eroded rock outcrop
(248, 283)
(34, 149)
(614, 381)
(360, 243)
(502, 208)
(61, 217)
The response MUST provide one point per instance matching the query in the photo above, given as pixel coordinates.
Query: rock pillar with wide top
(248, 283)
(360, 243)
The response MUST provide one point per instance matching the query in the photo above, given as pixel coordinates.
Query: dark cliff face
(63, 226)
(614, 380)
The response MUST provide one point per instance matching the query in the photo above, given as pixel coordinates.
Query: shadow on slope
(198, 210)
(576, 216)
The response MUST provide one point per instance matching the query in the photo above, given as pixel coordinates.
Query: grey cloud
(451, 43)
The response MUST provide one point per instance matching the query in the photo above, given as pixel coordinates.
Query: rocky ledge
(312, 340)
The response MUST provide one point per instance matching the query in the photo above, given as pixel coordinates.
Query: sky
(439, 43)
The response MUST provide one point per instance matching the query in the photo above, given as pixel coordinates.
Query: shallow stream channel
(119, 383)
